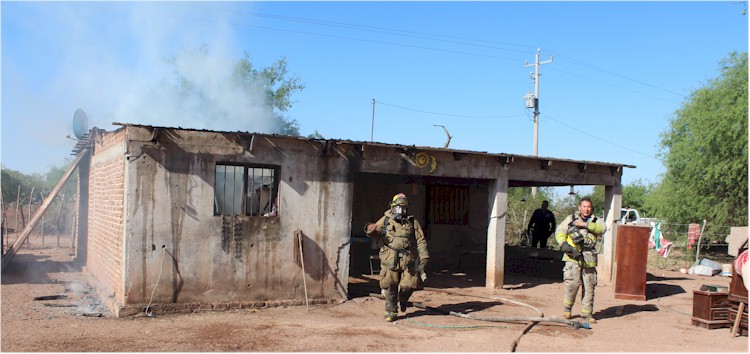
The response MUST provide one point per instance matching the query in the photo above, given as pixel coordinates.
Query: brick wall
(106, 219)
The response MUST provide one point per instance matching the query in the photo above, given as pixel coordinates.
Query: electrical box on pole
(530, 100)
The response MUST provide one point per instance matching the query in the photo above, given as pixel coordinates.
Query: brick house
(184, 219)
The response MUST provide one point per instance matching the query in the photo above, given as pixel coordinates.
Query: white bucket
(726, 270)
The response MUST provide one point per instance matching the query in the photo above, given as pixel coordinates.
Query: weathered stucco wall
(172, 249)
(174, 238)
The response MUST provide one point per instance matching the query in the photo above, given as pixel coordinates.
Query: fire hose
(540, 318)
(533, 319)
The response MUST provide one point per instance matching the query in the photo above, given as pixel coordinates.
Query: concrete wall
(197, 257)
(153, 237)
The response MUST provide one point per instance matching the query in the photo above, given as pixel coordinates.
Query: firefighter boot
(588, 318)
(403, 297)
(567, 312)
(390, 305)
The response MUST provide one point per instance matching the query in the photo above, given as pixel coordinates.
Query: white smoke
(205, 60)
(209, 96)
(119, 62)
(123, 67)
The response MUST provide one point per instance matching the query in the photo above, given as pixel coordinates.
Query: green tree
(278, 86)
(634, 196)
(520, 207)
(597, 199)
(12, 179)
(56, 173)
(705, 153)
(40, 185)
(202, 85)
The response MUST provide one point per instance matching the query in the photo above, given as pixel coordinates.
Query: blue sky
(620, 70)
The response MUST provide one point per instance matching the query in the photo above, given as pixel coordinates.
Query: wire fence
(57, 221)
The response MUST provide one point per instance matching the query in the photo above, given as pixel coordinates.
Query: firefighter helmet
(400, 199)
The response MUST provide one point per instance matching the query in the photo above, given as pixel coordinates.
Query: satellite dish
(80, 123)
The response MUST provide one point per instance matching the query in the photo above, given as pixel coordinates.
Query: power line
(575, 61)
(514, 116)
(446, 114)
(418, 35)
(375, 41)
(598, 138)
(397, 32)
(615, 86)
(458, 40)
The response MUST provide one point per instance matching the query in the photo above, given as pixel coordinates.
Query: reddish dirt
(662, 323)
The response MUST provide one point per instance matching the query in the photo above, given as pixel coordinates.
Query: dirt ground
(78, 323)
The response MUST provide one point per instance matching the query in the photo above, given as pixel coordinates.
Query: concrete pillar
(498, 205)
(612, 205)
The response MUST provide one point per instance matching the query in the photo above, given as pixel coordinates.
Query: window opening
(448, 205)
(245, 190)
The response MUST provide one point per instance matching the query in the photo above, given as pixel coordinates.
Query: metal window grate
(245, 190)
(448, 205)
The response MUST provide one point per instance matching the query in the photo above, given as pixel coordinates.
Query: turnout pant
(397, 285)
(575, 276)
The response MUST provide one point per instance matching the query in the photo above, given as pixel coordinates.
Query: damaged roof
(395, 146)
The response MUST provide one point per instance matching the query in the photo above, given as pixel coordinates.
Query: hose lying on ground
(533, 320)
(525, 330)
(539, 319)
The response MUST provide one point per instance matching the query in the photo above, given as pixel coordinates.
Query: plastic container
(711, 264)
(704, 270)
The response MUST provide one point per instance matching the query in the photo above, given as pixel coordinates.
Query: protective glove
(369, 228)
(422, 265)
(589, 242)
(570, 250)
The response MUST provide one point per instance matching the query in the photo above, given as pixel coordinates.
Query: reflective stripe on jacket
(594, 230)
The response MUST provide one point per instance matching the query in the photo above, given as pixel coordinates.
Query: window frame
(448, 204)
(245, 206)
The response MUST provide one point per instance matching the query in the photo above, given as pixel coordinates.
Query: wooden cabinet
(710, 309)
(631, 256)
(737, 295)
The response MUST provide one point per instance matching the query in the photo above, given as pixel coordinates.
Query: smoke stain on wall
(237, 237)
(226, 227)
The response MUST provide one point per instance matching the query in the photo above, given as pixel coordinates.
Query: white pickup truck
(632, 216)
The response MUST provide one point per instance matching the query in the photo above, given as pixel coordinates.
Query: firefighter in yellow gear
(401, 242)
(577, 236)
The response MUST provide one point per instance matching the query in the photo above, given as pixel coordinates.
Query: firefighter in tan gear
(577, 236)
(401, 242)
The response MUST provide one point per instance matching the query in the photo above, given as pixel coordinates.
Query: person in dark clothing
(541, 226)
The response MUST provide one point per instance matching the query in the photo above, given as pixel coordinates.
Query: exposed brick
(106, 218)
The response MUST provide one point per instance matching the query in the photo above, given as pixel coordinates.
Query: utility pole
(372, 128)
(535, 76)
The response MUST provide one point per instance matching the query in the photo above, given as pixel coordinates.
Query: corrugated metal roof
(397, 146)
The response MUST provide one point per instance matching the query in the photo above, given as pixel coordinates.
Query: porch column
(498, 204)
(612, 205)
